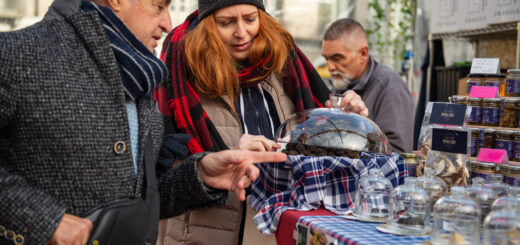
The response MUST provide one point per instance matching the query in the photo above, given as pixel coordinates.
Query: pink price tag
(497, 156)
(483, 92)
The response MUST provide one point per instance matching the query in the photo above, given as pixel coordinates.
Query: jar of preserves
(411, 160)
(508, 114)
(490, 111)
(516, 146)
(476, 111)
(496, 80)
(481, 169)
(474, 80)
(505, 141)
(513, 83)
(490, 137)
(511, 174)
(474, 145)
(457, 99)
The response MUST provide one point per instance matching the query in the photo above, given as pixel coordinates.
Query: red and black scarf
(180, 103)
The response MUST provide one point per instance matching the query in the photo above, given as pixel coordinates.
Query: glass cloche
(433, 185)
(330, 131)
(513, 199)
(484, 197)
(456, 220)
(496, 183)
(502, 227)
(372, 197)
(409, 209)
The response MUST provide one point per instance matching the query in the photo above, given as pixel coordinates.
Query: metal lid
(513, 71)
(477, 75)
(496, 75)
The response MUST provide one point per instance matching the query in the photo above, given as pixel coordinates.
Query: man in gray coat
(76, 110)
(345, 47)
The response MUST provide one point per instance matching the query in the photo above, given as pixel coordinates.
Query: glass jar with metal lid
(411, 160)
(516, 146)
(476, 111)
(511, 174)
(457, 99)
(505, 141)
(490, 137)
(496, 80)
(513, 83)
(481, 169)
(491, 111)
(508, 113)
(474, 80)
(475, 138)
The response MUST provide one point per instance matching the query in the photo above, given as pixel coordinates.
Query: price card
(485, 65)
(497, 156)
(483, 92)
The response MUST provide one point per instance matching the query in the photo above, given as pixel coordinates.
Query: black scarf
(140, 70)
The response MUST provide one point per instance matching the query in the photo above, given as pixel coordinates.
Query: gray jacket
(64, 136)
(389, 103)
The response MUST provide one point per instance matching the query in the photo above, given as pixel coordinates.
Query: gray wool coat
(64, 136)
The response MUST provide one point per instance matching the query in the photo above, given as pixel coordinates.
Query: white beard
(342, 83)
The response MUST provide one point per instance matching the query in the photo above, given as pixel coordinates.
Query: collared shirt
(306, 182)
(389, 104)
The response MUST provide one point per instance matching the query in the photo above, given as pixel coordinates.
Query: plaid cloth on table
(356, 232)
(306, 182)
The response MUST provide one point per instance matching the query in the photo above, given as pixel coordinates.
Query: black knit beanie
(206, 7)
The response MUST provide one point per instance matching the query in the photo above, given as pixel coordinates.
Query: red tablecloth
(288, 220)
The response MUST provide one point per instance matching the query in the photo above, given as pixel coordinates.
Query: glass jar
(511, 174)
(409, 208)
(504, 141)
(457, 99)
(474, 146)
(481, 169)
(474, 80)
(433, 185)
(476, 111)
(490, 137)
(508, 113)
(502, 226)
(484, 197)
(372, 196)
(516, 146)
(490, 111)
(513, 83)
(496, 183)
(496, 80)
(411, 160)
(457, 219)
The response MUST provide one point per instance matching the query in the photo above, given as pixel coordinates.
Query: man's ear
(364, 53)
(115, 5)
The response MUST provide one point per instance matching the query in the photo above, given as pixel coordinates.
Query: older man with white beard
(345, 47)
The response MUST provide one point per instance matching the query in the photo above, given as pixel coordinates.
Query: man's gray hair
(342, 27)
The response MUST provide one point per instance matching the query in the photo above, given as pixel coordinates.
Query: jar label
(473, 174)
(492, 84)
(476, 114)
(516, 150)
(474, 146)
(515, 85)
(412, 169)
(510, 83)
(511, 180)
(490, 115)
(505, 145)
(470, 84)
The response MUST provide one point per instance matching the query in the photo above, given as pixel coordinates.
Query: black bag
(133, 221)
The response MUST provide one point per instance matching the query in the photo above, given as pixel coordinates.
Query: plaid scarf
(180, 103)
(140, 70)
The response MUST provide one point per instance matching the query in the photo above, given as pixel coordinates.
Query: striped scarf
(179, 102)
(140, 70)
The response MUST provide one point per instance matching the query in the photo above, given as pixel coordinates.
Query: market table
(342, 230)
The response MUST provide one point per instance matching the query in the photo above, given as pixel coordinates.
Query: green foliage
(383, 13)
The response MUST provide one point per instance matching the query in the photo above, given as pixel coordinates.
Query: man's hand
(351, 102)
(257, 143)
(233, 170)
(72, 230)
